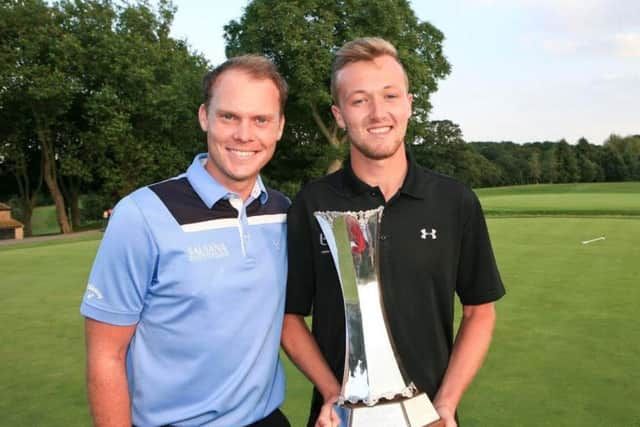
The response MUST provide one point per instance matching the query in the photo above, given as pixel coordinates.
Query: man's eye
(357, 101)
(227, 116)
(261, 120)
(391, 96)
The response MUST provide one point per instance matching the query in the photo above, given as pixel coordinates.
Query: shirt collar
(259, 191)
(210, 190)
(351, 180)
(414, 182)
(411, 185)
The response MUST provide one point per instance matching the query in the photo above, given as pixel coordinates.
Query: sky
(522, 70)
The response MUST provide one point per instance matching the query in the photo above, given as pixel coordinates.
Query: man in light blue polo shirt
(184, 305)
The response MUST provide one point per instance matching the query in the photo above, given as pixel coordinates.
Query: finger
(323, 422)
(335, 419)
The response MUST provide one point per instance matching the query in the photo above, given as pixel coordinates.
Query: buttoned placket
(243, 225)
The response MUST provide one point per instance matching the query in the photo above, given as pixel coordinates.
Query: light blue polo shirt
(202, 274)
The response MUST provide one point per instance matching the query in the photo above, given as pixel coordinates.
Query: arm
(469, 350)
(303, 351)
(107, 387)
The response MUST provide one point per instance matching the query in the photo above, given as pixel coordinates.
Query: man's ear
(282, 120)
(203, 117)
(337, 114)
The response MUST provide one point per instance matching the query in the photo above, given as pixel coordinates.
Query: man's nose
(243, 132)
(376, 109)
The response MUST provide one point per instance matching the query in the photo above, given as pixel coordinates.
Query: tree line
(97, 99)
(490, 164)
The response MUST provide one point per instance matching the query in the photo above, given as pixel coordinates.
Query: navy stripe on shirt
(188, 208)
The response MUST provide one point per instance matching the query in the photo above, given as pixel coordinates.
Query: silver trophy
(376, 391)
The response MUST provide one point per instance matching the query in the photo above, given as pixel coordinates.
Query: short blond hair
(257, 66)
(361, 49)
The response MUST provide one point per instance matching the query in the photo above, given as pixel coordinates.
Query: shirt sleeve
(479, 281)
(123, 268)
(301, 277)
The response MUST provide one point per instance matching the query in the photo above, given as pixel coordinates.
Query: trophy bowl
(375, 391)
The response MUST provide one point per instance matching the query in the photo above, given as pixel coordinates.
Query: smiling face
(374, 106)
(243, 124)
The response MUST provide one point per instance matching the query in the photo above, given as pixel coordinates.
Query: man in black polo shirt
(433, 244)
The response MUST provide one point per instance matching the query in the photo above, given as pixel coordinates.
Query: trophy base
(416, 411)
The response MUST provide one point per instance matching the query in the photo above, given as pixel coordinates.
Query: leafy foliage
(106, 97)
(301, 38)
(555, 162)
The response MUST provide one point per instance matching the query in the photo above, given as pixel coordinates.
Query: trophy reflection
(376, 391)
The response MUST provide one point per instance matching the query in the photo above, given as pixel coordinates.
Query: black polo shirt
(433, 244)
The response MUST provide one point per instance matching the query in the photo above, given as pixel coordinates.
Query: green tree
(111, 98)
(535, 168)
(613, 164)
(20, 157)
(444, 150)
(566, 162)
(35, 63)
(587, 156)
(141, 113)
(628, 148)
(301, 37)
(444, 132)
(441, 147)
(549, 163)
(511, 159)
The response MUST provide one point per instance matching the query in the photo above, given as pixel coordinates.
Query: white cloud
(627, 44)
(582, 16)
(523, 109)
(573, 27)
(621, 44)
(633, 78)
(560, 47)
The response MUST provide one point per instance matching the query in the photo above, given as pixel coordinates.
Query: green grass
(77, 237)
(42, 352)
(594, 187)
(565, 351)
(563, 199)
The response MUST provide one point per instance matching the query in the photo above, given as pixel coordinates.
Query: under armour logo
(424, 234)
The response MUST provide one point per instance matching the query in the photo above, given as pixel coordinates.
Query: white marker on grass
(585, 242)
